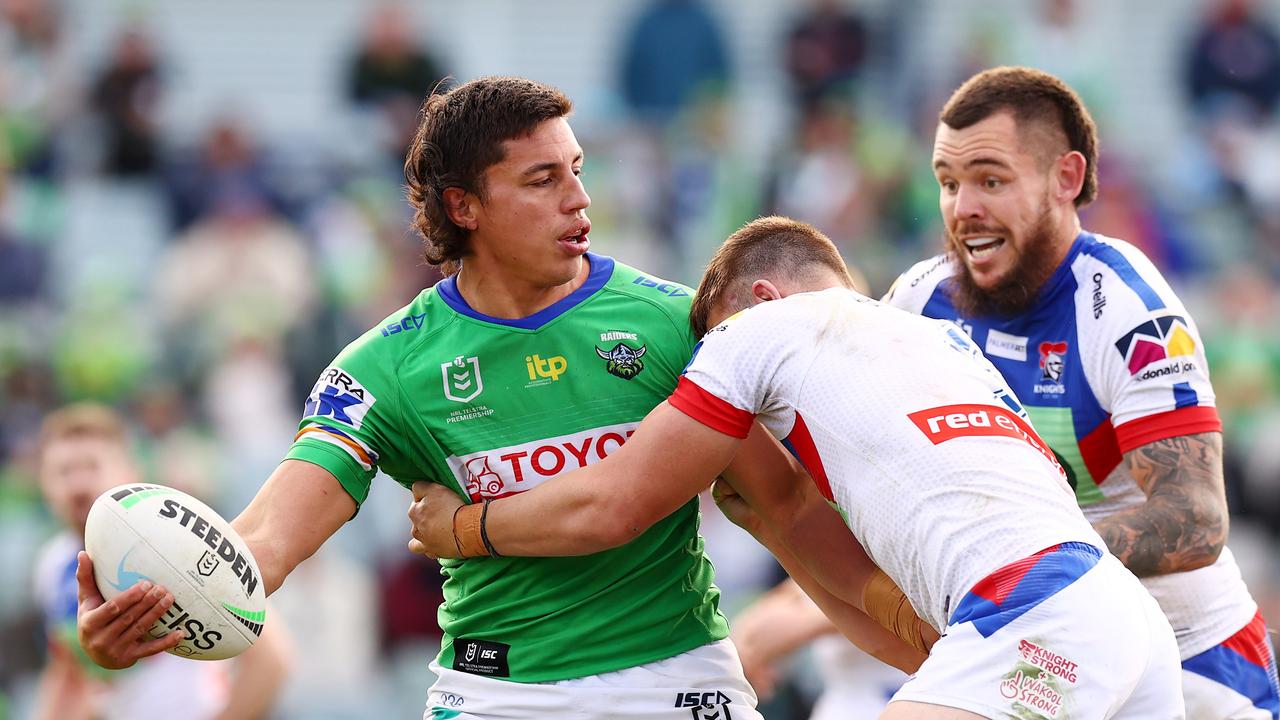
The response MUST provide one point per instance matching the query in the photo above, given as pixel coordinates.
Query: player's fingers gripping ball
(157, 534)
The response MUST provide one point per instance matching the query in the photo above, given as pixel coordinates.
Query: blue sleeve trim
(1120, 265)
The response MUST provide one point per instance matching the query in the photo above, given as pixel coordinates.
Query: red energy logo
(949, 422)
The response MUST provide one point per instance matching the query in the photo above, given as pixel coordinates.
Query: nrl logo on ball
(623, 360)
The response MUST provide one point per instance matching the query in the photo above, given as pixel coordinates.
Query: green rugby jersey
(491, 407)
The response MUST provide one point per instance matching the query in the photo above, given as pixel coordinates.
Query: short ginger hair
(774, 245)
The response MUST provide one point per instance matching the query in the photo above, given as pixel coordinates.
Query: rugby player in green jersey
(532, 358)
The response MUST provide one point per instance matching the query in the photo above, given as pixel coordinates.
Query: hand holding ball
(155, 533)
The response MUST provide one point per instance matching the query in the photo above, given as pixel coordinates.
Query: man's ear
(460, 206)
(1069, 172)
(764, 291)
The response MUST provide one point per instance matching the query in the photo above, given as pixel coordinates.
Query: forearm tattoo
(1183, 523)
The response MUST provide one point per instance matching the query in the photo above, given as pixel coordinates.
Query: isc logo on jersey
(337, 395)
(516, 468)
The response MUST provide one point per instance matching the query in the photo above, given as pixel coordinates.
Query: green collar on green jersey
(601, 271)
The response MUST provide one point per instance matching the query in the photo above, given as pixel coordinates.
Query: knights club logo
(1158, 339)
(1053, 357)
(623, 360)
(461, 378)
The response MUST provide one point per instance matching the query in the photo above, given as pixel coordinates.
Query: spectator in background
(1051, 41)
(126, 96)
(173, 450)
(674, 74)
(1243, 349)
(825, 50)
(241, 272)
(84, 451)
(818, 181)
(228, 161)
(248, 399)
(37, 83)
(389, 64)
(389, 75)
(27, 393)
(23, 265)
(675, 54)
(1128, 210)
(1234, 56)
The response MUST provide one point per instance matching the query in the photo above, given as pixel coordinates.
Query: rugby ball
(151, 532)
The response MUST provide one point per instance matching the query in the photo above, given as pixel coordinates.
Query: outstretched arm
(1183, 523)
(294, 512)
(669, 459)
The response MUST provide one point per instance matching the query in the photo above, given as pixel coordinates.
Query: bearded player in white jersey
(1106, 359)
(919, 443)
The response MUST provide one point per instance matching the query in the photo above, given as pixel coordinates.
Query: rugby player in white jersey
(917, 440)
(1107, 362)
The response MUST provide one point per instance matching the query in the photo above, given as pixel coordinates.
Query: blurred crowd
(200, 281)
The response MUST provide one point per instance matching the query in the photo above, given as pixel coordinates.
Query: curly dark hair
(460, 135)
(1038, 101)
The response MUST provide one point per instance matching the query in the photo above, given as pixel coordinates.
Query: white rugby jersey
(1106, 361)
(902, 424)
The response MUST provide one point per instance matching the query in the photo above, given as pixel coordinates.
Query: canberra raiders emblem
(623, 360)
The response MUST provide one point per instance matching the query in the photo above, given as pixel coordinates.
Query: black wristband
(484, 533)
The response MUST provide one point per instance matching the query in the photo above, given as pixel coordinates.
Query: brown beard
(1017, 291)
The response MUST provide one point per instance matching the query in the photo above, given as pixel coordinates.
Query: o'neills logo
(949, 422)
(226, 550)
(1047, 660)
(1032, 692)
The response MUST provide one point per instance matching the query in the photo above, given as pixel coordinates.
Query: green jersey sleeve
(350, 420)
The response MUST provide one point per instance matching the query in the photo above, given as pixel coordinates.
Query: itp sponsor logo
(546, 369)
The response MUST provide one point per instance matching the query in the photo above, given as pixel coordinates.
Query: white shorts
(1066, 633)
(1235, 679)
(705, 683)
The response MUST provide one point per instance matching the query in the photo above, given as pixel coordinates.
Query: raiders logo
(623, 360)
